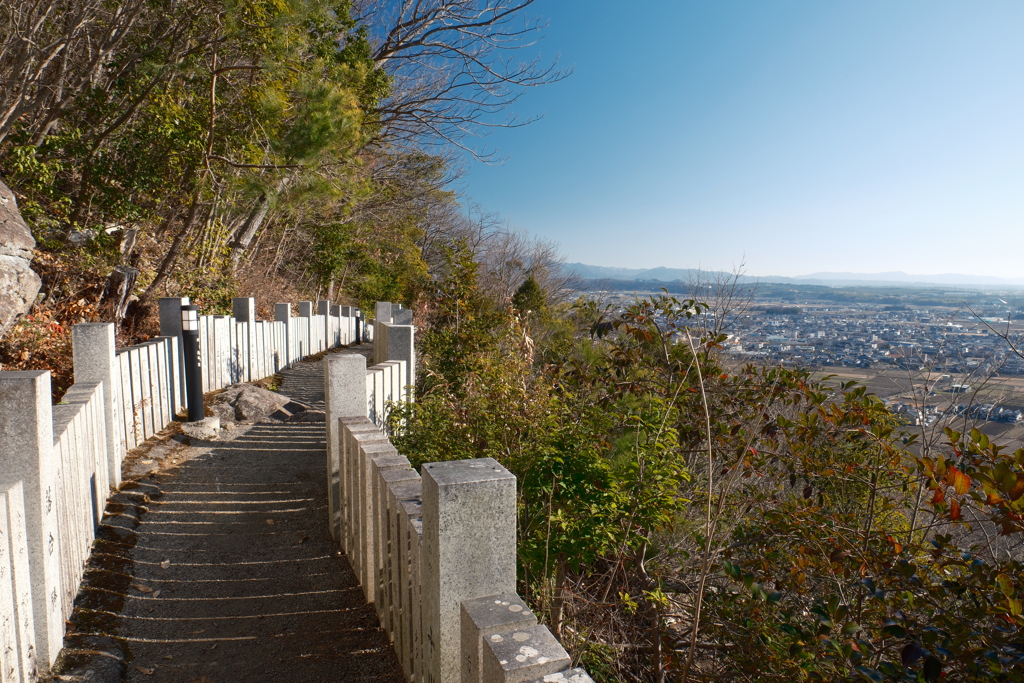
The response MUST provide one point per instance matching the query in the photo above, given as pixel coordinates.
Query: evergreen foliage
(530, 298)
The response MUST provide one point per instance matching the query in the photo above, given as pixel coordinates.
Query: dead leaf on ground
(303, 538)
(270, 522)
(165, 564)
(214, 646)
(142, 589)
(156, 594)
(144, 670)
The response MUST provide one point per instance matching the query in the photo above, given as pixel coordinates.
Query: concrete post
(374, 458)
(469, 551)
(170, 326)
(350, 431)
(244, 311)
(26, 432)
(323, 307)
(358, 437)
(170, 315)
(382, 311)
(484, 617)
(402, 346)
(334, 328)
(95, 360)
(396, 390)
(405, 506)
(345, 394)
(305, 329)
(382, 315)
(522, 655)
(283, 314)
(388, 481)
(380, 341)
(17, 630)
(346, 325)
(340, 333)
(402, 316)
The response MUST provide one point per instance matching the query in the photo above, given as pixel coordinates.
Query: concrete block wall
(58, 463)
(395, 342)
(17, 629)
(436, 556)
(435, 550)
(240, 348)
(148, 389)
(80, 445)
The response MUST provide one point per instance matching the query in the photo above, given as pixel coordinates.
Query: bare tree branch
(452, 67)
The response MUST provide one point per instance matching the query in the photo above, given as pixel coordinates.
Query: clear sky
(797, 135)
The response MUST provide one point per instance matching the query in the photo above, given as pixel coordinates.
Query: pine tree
(530, 297)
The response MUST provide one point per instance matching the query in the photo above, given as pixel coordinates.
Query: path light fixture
(193, 364)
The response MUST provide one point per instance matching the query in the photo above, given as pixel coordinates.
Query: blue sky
(794, 136)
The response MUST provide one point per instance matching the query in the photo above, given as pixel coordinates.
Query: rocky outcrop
(18, 284)
(247, 403)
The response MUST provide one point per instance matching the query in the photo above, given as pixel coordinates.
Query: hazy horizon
(866, 275)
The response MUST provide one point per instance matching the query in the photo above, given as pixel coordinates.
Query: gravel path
(222, 569)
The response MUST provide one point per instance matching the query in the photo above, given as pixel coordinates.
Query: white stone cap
(523, 655)
(455, 472)
(570, 676)
(498, 613)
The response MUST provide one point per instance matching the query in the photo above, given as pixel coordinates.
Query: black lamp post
(193, 366)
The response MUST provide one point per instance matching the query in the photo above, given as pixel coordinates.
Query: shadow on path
(223, 569)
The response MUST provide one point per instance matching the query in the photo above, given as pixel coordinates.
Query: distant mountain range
(890, 279)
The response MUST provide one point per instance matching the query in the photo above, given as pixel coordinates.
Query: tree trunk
(656, 643)
(164, 269)
(558, 599)
(252, 224)
(118, 290)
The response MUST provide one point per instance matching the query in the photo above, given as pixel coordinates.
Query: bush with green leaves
(705, 523)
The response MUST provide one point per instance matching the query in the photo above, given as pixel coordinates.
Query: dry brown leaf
(142, 589)
(165, 564)
(214, 646)
(270, 522)
(156, 594)
(144, 670)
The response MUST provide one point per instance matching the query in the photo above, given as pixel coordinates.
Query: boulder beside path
(19, 285)
(247, 404)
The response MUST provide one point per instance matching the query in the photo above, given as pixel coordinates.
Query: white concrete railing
(59, 463)
(435, 554)
(386, 316)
